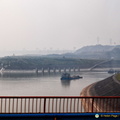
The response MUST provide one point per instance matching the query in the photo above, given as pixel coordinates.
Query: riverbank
(39, 62)
(56, 70)
(107, 87)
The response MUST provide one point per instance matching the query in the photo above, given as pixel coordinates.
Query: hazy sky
(58, 24)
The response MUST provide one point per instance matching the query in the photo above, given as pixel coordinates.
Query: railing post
(59, 104)
(44, 105)
(92, 104)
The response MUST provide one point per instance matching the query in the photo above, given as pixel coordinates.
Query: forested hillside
(32, 62)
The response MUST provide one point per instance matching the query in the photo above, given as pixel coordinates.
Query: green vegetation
(118, 76)
(32, 62)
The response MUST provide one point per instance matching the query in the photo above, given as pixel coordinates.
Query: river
(30, 84)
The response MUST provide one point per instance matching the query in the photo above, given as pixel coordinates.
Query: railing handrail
(59, 104)
(59, 96)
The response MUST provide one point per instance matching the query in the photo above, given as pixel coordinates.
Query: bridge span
(106, 61)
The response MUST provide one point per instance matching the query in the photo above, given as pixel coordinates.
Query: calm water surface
(30, 84)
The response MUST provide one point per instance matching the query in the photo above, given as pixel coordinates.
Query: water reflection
(15, 75)
(25, 75)
(29, 83)
(29, 74)
(65, 83)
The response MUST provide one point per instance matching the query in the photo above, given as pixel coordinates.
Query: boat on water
(66, 76)
(111, 71)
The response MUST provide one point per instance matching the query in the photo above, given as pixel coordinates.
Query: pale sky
(58, 24)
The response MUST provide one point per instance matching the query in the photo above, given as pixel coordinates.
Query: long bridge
(52, 105)
(54, 70)
(106, 61)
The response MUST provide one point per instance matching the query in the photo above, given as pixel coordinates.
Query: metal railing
(58, 104)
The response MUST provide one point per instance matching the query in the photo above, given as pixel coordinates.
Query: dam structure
(109, 87)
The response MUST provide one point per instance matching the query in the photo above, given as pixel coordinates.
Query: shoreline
(59, 70)
(107, 87)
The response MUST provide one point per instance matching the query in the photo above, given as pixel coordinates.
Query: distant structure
(97, 40)
(110, 41)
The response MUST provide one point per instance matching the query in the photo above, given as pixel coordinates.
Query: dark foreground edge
(60, 116)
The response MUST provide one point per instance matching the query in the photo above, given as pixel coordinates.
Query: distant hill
(85, 57)
(102, 52)
(99, 52)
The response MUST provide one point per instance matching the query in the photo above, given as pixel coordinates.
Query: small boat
(111, 71)
(66, 76)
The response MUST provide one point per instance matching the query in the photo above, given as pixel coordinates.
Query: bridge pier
(54, 70)
(78, 69)
(42, 70)
(60, 70)
(64, 69)
(69, 69)
(74, 69)
(49, 70)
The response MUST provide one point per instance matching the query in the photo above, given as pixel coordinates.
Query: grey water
(31, 84)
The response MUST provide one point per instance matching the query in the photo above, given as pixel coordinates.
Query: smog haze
(58, 24)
